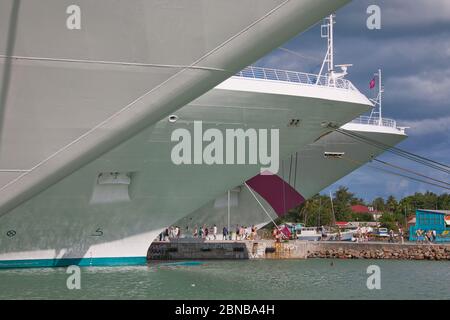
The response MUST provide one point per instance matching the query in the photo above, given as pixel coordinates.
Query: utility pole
(406, 219)
(332, 209)
(228, 207)
(320, 209)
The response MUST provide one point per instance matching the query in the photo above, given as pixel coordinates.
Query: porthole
(173, 118)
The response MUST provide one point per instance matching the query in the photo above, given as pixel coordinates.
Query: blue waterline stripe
(82, 262)
(181, 263)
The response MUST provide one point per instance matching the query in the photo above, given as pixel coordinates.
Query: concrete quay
(197, 249)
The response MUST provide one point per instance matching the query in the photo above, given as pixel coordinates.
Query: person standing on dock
(428, 237)
(253, 233)
(391, 236)
(215, 232)
(224, 233)
(195, 234)
(166, 234)
(417, 235)
(274, 233)
(248, 232)
(401, 235)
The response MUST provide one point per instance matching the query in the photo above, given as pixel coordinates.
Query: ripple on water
(263, 279)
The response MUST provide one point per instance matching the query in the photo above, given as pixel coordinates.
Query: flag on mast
(372, 83)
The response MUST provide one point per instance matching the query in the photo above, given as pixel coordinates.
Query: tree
(443, 201)
(389, 221)
(317, 210)
(391, 204)
(341, 201)
(379, 204)
(366, 217)
(356, 201)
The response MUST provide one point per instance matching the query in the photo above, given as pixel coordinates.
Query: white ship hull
(314, 173)
(77, 220)
(77, 102)
(73, 91)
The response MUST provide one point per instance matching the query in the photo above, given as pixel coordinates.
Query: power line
(401, 152)
(397, 174)
(299, 54)
(405, 154)
(410, 171)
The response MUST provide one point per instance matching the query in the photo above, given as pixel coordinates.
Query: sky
(413, 50)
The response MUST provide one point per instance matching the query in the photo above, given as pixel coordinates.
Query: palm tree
(391, 204)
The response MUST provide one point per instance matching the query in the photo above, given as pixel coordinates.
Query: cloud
(398, 186)
(419, 12)
(428, 88)
(288, 61)
(429, 126)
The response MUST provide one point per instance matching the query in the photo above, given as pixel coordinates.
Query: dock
(294, 249)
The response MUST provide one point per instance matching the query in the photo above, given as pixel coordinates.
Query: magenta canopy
(277, 192)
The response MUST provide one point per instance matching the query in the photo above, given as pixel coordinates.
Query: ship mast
(330, 45)
(327, 31)
(377, 111)
(380, 97)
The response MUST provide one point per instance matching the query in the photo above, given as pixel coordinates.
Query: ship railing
(375, 121)
(295, 77)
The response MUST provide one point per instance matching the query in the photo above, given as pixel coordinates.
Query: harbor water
(255, 279)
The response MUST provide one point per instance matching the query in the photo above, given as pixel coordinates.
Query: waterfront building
(432, 220)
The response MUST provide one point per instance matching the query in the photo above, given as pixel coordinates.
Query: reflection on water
(265, 279)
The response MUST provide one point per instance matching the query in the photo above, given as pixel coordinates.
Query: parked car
(383, 232)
